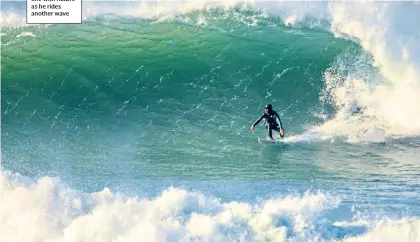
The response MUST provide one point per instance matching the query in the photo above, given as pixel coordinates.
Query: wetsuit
(270, 122)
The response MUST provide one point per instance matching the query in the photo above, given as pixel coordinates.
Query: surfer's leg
(272, 127)
(277, 129)
(270, 132)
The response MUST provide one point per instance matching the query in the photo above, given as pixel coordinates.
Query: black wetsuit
(270, 122)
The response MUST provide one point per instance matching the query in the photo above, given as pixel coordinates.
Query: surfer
(270, 121)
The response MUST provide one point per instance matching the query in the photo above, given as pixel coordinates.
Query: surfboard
(269, 141)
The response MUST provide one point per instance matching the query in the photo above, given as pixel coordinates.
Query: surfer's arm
(277, 115)
(258, 121)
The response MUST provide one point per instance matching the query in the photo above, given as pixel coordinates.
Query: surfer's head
(268, 107)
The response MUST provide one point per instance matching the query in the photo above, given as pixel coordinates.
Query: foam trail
(307, 136)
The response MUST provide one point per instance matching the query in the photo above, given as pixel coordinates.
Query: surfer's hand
(252, 128)
(281, 132)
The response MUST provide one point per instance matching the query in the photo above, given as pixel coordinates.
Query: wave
(384, 81)
(48, 210)
(379, 79)
(384, 84)
(197, 72)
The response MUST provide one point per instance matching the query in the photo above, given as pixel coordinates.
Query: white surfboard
(269, 141)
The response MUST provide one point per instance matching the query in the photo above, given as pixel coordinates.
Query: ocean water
(135, 125)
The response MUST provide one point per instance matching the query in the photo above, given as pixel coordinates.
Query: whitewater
(135, 125)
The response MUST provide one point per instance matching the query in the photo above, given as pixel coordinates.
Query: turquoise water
(136, 124)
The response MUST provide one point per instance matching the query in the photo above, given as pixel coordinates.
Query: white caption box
(54, 11)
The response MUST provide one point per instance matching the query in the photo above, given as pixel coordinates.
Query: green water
(139, 105)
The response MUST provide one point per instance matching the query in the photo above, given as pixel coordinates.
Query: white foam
(308, 136)
(45, 210)
(12, 19)
(26, 34)
(388, 92)
(388, 231)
